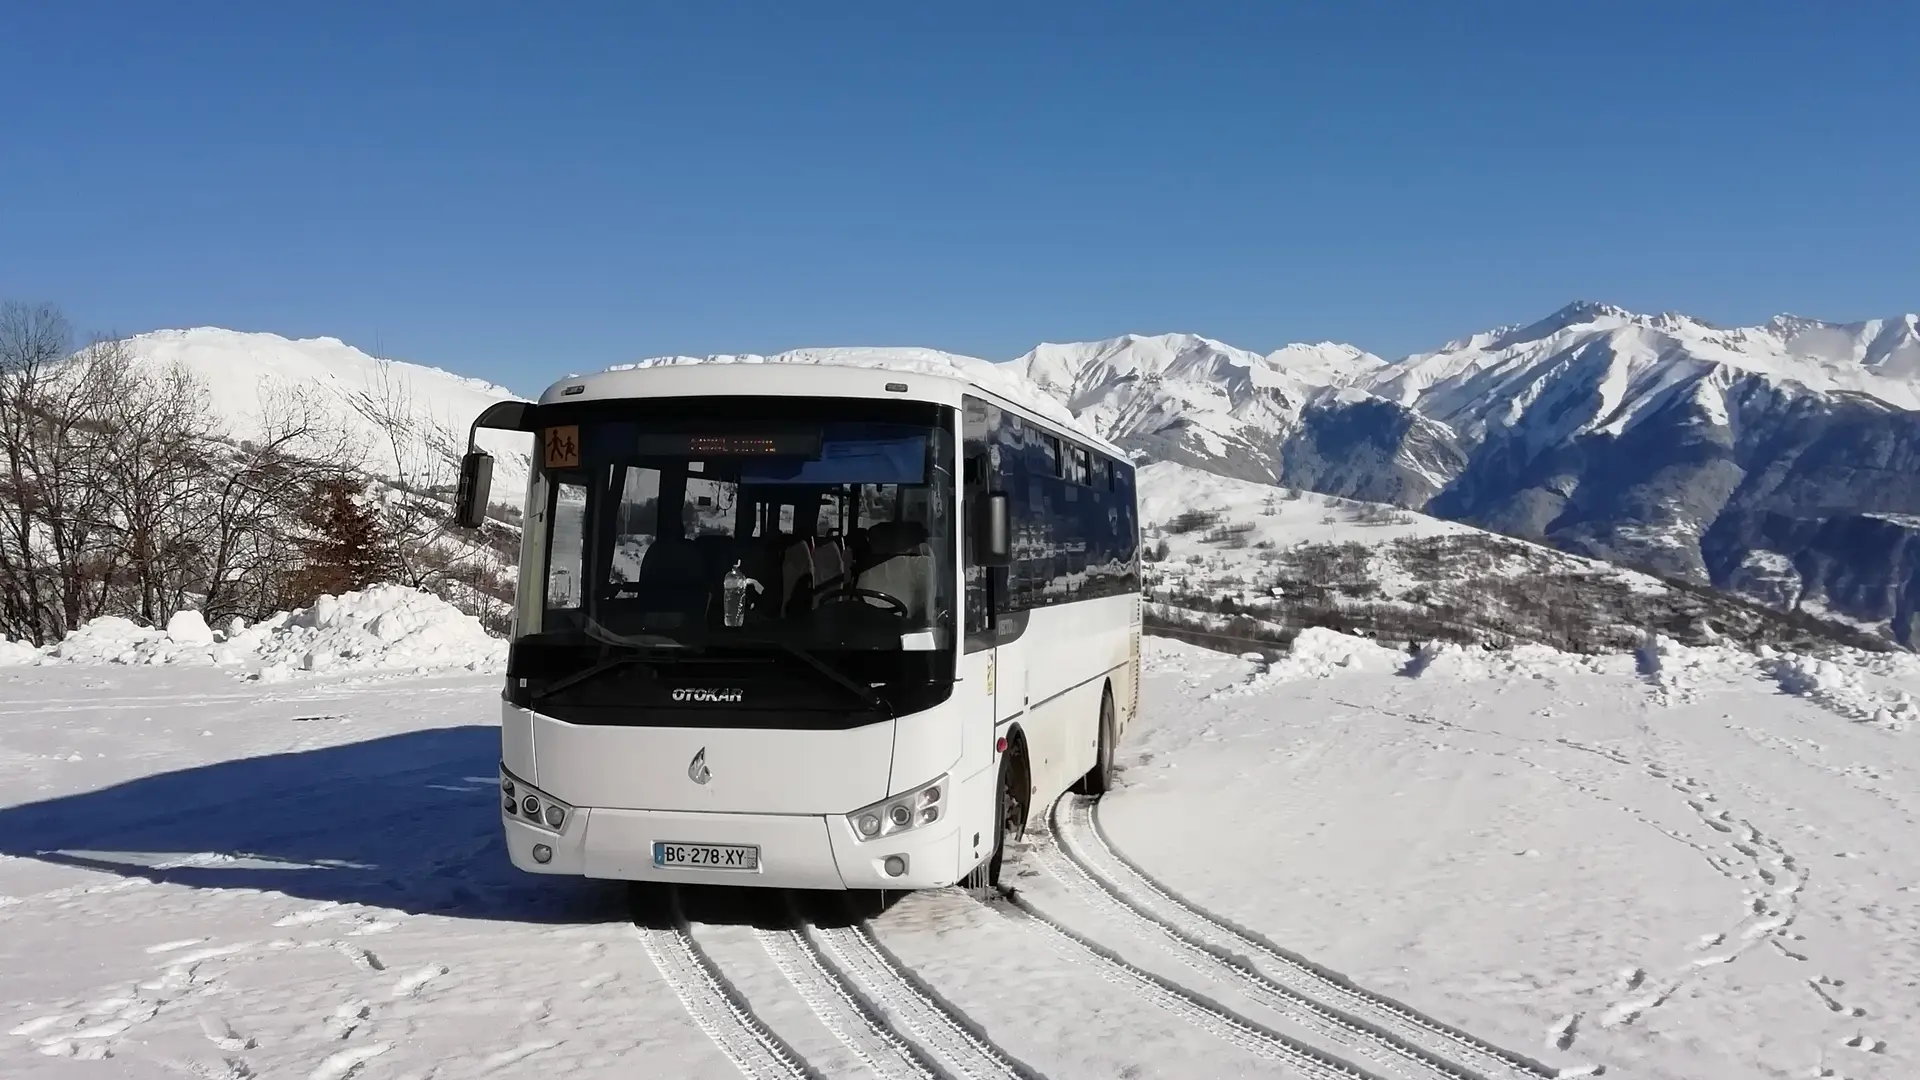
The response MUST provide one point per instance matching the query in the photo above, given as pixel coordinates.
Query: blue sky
(514, 191)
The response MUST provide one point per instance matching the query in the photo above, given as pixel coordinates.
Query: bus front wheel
(1009, 810)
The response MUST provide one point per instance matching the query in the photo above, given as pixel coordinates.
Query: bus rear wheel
(1099, 779)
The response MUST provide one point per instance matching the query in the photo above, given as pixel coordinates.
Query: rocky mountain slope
(1243, 566)
(1780, 461)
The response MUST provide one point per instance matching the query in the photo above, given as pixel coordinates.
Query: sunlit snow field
(1691, 864)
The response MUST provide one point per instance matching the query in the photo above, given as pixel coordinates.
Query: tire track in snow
(714, 1004)
(1075, 869)
(1310, 980)
(1306, 1061)
(943, 1032)
(842, 1008)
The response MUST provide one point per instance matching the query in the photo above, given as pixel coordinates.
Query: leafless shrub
(1193, 521)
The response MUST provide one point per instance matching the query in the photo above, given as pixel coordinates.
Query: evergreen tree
(346, 547)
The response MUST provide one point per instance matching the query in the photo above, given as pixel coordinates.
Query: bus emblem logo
(708, 696)
(697, 769)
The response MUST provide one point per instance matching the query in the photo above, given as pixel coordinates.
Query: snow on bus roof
(1002, 380)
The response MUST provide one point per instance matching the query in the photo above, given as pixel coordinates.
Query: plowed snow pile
(384, 628)
(17, 652)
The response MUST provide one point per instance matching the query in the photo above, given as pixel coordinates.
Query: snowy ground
(1696, 864)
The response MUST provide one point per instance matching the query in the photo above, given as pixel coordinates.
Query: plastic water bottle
(733, 596)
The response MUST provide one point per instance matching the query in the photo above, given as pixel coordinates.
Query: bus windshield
(746, 524)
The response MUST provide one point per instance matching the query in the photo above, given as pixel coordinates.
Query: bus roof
(838, 377)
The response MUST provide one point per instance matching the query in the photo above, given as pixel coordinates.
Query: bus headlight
(900, 813)
(535, 807)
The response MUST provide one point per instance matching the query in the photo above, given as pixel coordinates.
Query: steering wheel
(893, 604)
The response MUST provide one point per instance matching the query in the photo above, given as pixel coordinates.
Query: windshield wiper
(599, 633)
(640, 649)
(864, 693)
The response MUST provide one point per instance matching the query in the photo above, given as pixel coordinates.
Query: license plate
(672, 856)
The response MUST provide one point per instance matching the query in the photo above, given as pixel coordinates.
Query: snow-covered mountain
(253, 381)
(1780, 460)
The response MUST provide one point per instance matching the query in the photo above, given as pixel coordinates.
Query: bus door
(984, 681)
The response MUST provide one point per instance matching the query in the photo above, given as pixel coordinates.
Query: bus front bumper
(796, 852)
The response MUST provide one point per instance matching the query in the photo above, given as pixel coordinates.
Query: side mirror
(476, 482)
(993, 544)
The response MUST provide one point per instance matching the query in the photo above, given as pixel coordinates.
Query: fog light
(930, 814)
(869, 825)
(900, 813)
(555, 815)
(542, 854)
(532, 807)
(895, 865)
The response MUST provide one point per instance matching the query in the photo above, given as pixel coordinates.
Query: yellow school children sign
(561, 447)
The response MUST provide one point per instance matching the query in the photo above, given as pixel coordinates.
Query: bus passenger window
(1082, 467)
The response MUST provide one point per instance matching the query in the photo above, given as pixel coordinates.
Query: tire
(1099, 779)
(1009, 815)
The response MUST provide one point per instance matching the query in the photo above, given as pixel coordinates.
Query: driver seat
(900, 564)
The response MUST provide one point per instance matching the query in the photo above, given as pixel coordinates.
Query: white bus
(807, 626)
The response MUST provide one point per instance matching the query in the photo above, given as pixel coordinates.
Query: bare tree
(421, 456)
(156, 462)
(255, 508)
(32, 339)
(58, 531)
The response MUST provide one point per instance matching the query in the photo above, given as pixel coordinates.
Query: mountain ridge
(1744, 458)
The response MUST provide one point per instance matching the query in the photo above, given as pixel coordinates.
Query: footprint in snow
(221, 1034)
(347, 1018)
(346, 1062)
(309, 916)
(364, 959)
(411, 985)
(515, 1055)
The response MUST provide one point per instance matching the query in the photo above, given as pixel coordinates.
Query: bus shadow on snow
(408, 822)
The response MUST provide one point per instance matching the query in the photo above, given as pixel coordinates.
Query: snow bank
(1319, 653)
(384, 628)
(1447, 660)
(1842, 688)
(16, 653)
(111, 639)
